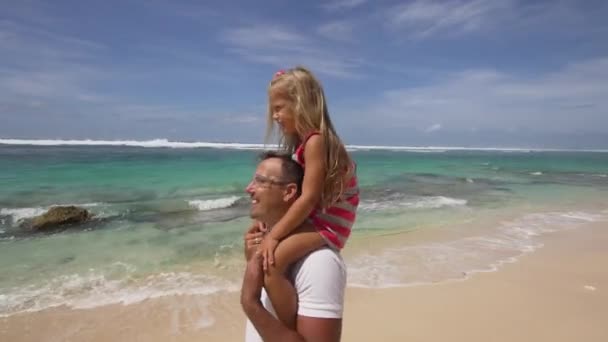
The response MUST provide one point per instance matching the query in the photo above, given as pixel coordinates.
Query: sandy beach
(557, 293)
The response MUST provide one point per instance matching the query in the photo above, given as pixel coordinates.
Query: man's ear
(291, 192)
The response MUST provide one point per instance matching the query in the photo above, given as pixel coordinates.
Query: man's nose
(249, 188)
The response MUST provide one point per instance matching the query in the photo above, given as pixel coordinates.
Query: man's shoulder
(319, 266)
(323, 257)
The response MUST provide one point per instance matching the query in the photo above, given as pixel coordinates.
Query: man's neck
(271, 221)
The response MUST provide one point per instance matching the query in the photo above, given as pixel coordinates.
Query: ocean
(170, 216)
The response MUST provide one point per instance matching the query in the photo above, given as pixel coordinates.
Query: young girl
(330, 194)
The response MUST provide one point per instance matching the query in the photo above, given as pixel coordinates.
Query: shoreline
(530, 299)
(442, 252)
(557, 293)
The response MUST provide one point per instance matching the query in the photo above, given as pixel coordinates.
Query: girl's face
(280, 107)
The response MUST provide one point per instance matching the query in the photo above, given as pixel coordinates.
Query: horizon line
(165, 143)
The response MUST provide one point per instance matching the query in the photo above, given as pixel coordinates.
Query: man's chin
(254, 215)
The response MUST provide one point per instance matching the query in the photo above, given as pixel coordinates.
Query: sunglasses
(260, 181)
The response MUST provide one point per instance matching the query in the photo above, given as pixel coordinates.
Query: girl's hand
(267, 247)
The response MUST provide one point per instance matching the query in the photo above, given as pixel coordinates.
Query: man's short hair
(292, 171)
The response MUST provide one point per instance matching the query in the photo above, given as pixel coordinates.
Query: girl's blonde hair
(309, 107)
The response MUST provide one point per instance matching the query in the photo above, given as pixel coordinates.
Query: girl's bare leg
(280, 290)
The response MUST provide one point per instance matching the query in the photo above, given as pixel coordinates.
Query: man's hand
(253, 281)
(253, 237)
(269, 244)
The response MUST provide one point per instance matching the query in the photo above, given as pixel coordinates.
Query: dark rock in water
(67, 260)
(57, 217)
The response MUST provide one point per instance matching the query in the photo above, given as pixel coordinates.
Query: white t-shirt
(320, 280)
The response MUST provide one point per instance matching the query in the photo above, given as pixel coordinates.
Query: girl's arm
(312, 187)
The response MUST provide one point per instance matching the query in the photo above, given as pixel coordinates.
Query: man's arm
(270, 328)
(320, 329)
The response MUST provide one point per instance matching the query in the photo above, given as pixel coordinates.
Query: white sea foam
(427, 202)
(179, 144)
(96, 288)
(19, 214)
(458, 259)
(354, 148)
(434, 202)
(584, 216)
(537, 173)
(134, 143)
(220, 203)
(462, 148)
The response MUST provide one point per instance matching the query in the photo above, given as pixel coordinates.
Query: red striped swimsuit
(334, 223)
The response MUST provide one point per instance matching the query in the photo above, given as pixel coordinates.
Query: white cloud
(39, 65)
(265, 37)
(281, 47)
(45, 73)
(337, 5)
(422, 19)
(195, 10)
(433, 128)
(66, 84)
(572, 99)
(30, 44)
(244, 119)
(337, 30)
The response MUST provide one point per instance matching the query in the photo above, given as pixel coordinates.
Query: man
(319, 278)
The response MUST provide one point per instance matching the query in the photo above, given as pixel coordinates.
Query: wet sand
(557, 293)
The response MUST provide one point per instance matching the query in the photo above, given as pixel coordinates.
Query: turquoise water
(170, 220)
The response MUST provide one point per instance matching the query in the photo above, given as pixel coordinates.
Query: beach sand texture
(557, 293)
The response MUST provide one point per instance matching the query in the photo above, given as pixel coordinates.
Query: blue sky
(461, 73)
